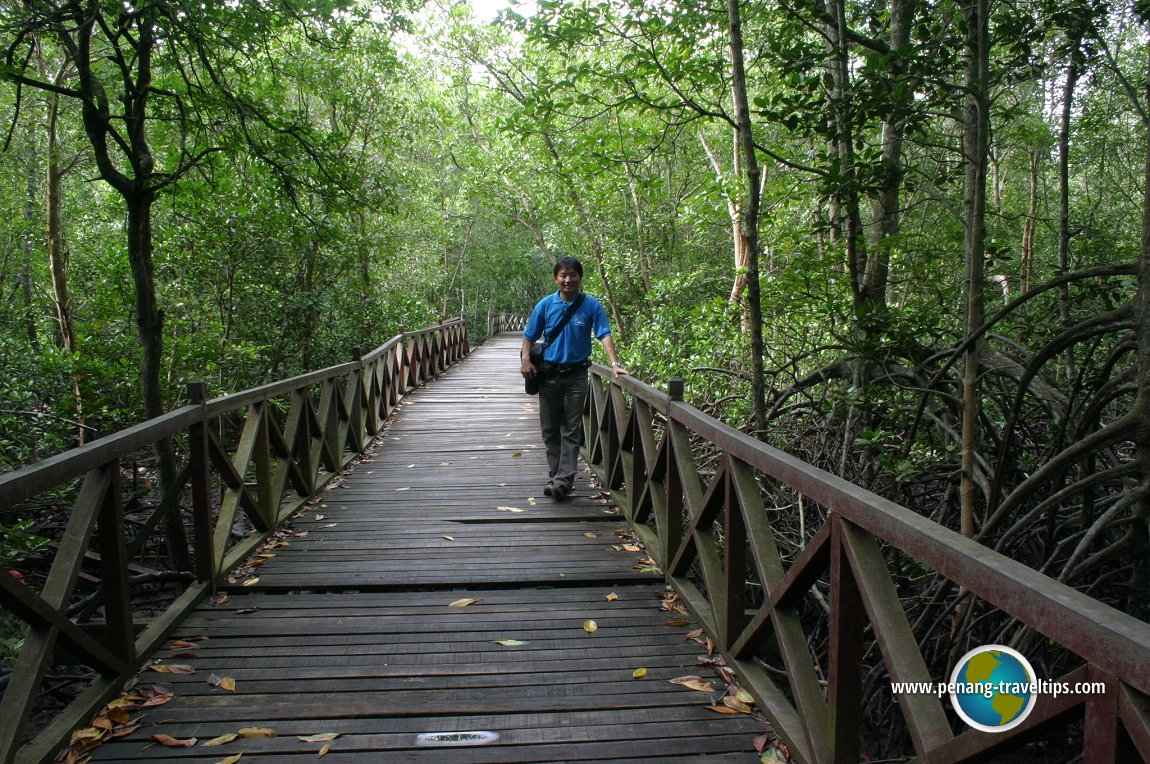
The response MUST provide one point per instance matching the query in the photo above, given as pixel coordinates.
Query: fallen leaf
(257, 732)
(172, 742)
(509, 642)
(410, 466)
(510, 509)
(172, 668)
(220, 600)
(676, 623)
(119, 715)
(518, 453)
(532, 502)
(227, 737)
(591, 535)
(323, 751)
(301, 534)
(252, 581)
(322, 737)
(245, 610)
(736, 704)
(612, 597)
(88, 733)
(405, 488)
(632, 548)
(329, 525)
(639, 673)
(231, 759)
(450, 538)
(694, 683)
(319, 517)
(590, 627)
(745, 696)
(181, 644)
(722, 710)
(462, 603)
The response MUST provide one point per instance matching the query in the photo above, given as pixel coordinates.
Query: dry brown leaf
(119, 715)
(590, 627)
(462, 603)
(323, 751)
(231, 759)
(172, 742)
(631, 548)
(252, 581)
(123, 731)
(172, 668)
(612, 597)
(692, 682)
(736, 704)
(676, 623)
(103, 724)
(591, 535)
(88, 733)
(322, 737)
(183, 644)
(722, 710)
(257, 732)
(227, 737)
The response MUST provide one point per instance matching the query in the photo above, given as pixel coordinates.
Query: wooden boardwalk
(350, 628)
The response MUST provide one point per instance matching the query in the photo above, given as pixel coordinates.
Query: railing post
(121, 639)
(201, 488)
(358, 424)
(845, 653)
(674, 389)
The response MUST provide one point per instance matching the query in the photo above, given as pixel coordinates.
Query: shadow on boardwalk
(350, 627)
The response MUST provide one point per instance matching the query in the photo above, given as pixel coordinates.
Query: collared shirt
(573, 345)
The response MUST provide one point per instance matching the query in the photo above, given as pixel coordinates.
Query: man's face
(568, 282)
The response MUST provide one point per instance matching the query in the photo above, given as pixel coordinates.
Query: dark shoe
(549, 489)
(560, 491)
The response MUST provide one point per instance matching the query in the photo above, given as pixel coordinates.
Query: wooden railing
(694, 490)
(505, 322)
(263, 453)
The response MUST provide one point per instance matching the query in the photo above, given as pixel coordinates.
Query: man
(563, 377)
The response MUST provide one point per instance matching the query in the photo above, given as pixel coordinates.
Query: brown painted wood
(350, 627)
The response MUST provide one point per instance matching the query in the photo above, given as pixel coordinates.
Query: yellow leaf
(257, 732)
(231, 759)
(450, 538)
(632, 548)
(510, 509)
(252, 581)
(172, 742)
(591, 535)
(227, 683)
(172, 668)
(518, 453)
(612, 597)
(694, 683)
(323, 751)
(745, 696)
(88, 733)
(462, 603)
(322, 737)
(590, 627)
(639, 673)
(227, 737)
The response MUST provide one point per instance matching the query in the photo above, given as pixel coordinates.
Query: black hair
(567, 263)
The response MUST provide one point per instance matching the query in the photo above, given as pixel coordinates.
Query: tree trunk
(1072, 72)
(976, 129)
(750, 217)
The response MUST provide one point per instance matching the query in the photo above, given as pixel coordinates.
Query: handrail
(642, 444)
(252, 448)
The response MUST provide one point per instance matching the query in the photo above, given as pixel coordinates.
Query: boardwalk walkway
(350, 629)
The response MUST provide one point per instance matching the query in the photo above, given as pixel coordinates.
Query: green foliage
(18, 543)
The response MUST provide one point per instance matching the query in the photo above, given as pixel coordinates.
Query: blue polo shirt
(573, 345)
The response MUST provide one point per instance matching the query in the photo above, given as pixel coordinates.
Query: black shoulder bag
(531, 386)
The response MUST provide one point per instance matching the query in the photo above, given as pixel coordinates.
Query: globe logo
(993, 688)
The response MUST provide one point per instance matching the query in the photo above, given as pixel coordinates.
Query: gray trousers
(561, 401)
